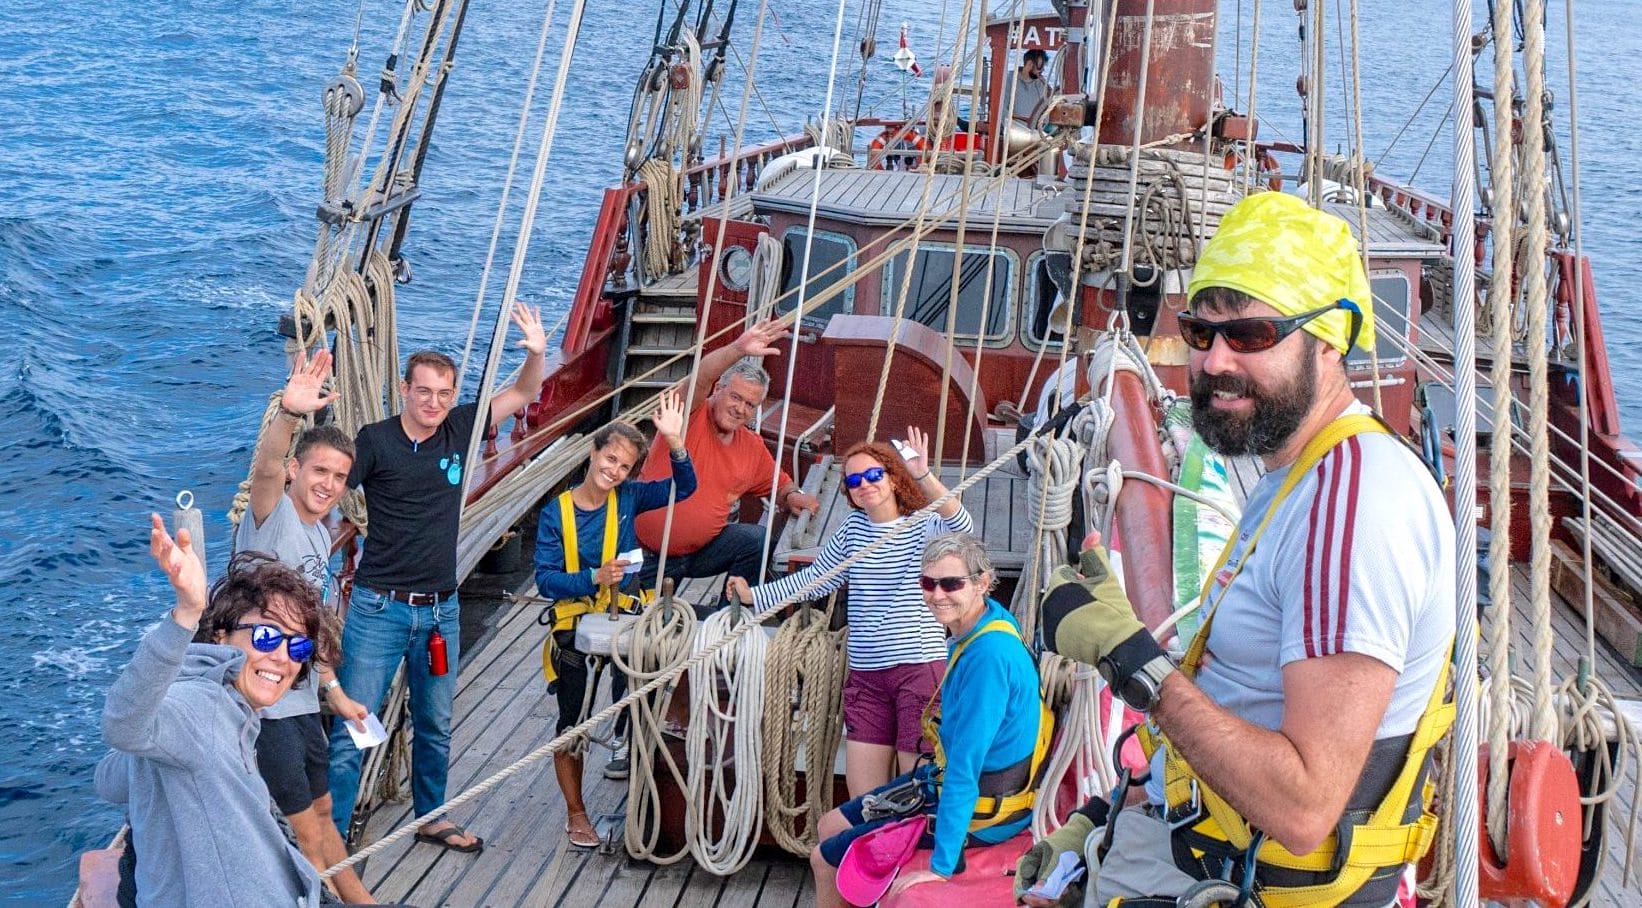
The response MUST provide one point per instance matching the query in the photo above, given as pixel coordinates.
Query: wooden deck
(503, 712)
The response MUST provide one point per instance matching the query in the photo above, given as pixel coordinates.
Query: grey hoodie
(185, 765)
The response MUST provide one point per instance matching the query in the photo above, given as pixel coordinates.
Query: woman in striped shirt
(897, 652)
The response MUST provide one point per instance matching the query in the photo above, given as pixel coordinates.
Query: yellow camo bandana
(1279, 250)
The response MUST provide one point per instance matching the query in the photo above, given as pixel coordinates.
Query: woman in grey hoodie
(183, 721)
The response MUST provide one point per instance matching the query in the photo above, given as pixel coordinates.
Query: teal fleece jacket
(185, 766)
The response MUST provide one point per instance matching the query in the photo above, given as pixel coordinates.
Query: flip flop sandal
(581, 840)
(444, 839)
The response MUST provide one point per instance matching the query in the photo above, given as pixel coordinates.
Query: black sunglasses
(870, 474)
(946, 584)
(1252, 335)
(266, 638)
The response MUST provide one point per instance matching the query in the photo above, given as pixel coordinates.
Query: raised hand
(305, 389)
(182, 567)
(529, 320)
(918, 463)
(759, 340)
(669, 417)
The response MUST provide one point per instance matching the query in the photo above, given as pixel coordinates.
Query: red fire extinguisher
(438, 663)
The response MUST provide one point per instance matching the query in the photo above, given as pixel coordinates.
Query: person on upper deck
(183, 721)
(602, 508)
(1031, 90)
(1314, 688)
(731, 461)
(896, 651)
(410, 466)
(289, 500)
(990, 725)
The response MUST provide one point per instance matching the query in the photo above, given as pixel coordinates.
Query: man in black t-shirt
(411, 467)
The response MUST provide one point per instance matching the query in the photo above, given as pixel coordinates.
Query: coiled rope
(724, 737)
(801, 696)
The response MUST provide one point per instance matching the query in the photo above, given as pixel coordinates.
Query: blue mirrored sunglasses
(870, 474)
(266, 638)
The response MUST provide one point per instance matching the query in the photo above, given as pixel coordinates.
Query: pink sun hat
(872, 861)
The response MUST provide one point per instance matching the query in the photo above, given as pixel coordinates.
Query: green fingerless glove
(1042, 858)
(1086, 615)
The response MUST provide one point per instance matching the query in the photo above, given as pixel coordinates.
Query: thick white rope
(801, 695)
(1459, 819)
(723, 742)
(653, 646)
(1500, 283)
(1072, 690)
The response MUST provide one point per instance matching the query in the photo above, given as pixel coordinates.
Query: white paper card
(373, 734)
(1067, 871)
(634, 559)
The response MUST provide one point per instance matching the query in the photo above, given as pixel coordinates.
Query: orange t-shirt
(724, 473)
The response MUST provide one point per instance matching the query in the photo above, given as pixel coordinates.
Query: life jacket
(563, 614)
(1007, 793)
(1387, 822)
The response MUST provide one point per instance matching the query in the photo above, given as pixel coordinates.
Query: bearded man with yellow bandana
(1289, 749)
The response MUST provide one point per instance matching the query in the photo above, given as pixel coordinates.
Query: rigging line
(1249, 145)
(1315, 96)
(356, 169)
(1576, 226)
(1359, 193)
(1463, 747)
(1539, 388)
(1447, 114)
(527, 220)
(751, 71)
(809, 247)
(1074, 302)
(696, 660)
(1134, 146)
(1411, 117)
(958, 250)
(507, 187)
(942, 95)
(992, 243)
(399, 131)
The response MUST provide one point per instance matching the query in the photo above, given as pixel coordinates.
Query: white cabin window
(831, 259)
(930, 292)
(1392, 308)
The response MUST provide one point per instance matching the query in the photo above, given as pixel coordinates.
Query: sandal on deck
(443, 838)
(584, 840)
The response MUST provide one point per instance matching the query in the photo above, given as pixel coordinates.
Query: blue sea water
(159, 168)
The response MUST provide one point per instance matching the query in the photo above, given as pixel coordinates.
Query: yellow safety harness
(1207, 829)
(563, 614)
(994, 809)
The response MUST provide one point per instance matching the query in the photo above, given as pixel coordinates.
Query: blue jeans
(379, 632)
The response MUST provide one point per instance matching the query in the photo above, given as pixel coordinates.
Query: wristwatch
(1142, 688)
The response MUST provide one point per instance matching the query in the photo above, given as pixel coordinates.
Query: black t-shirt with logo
(413, 495)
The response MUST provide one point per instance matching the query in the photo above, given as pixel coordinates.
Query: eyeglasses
(427, 395)
(946, 584)
(1252, 335)
(266, 638)
(870, 474)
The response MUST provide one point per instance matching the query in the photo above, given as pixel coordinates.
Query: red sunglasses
(1253, 335)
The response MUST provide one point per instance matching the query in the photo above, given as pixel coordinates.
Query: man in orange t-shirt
(731, 461)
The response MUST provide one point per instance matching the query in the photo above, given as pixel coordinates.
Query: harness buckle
(1187, 813)
(902, 800)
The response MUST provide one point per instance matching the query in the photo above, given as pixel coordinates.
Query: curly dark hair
(257, 581)
(908, 496)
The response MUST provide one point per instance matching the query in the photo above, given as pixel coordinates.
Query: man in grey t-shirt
(289, 502)
(1030, 88)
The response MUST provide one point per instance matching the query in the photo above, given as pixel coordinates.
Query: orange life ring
(905, 154)
(1272, 171)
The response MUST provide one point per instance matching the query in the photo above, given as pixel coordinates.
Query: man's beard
(1276, 415)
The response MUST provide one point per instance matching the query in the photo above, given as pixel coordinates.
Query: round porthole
(736, 269)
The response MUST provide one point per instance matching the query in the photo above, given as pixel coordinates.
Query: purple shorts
(886, 705)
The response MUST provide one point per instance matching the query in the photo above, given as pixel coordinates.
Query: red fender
(1544, 831)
